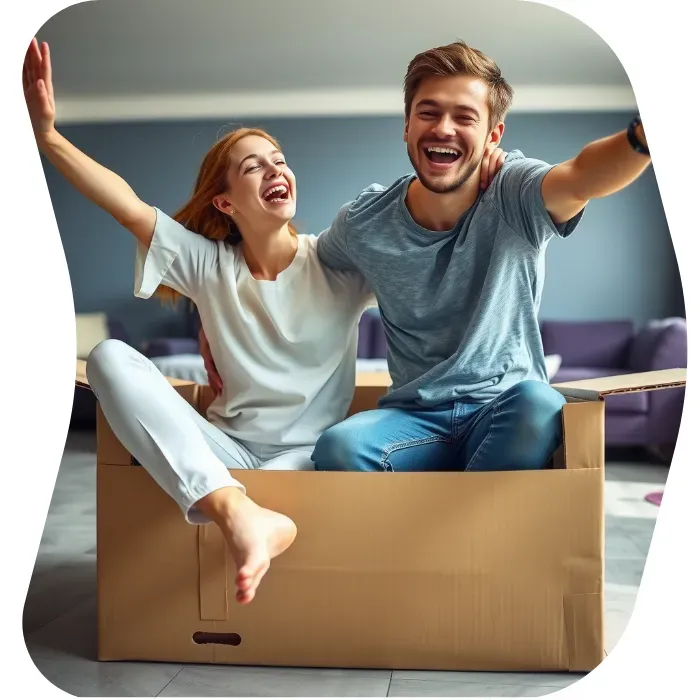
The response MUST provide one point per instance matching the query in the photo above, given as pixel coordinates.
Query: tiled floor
(59, 618)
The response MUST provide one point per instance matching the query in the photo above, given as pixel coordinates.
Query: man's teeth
(439, 149)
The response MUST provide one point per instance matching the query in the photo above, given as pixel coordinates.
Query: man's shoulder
(517, 161)
(518, 171)
(374, 199)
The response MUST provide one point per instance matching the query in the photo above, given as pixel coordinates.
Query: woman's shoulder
(346, 277)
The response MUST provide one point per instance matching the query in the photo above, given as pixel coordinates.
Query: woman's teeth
(276, 194)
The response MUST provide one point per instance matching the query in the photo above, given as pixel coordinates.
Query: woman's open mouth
(279, 194)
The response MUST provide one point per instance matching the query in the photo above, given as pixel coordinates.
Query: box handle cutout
(228, 638)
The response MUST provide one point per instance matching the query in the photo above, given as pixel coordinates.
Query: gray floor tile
(639, 531)
(559, 680)
(625, 572)
(57, 587)
(218, 681)
(636, 471)
(421, 689)
(65, 652)
(619, 545)
(64, 574)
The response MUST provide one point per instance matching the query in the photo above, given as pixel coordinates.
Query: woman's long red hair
(199, 214)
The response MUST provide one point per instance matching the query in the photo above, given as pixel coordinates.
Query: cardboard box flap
(597, 389)
(378, 378)
(81, 379)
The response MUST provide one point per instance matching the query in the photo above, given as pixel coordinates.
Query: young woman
(282, 329)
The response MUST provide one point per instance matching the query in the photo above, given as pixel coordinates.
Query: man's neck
(440, 212)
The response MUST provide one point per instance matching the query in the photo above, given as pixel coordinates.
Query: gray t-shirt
(459, 307)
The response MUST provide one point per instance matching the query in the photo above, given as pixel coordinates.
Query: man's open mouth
(276, 194)
(442, 154)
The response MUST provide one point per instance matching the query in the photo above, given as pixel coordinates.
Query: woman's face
(262, 189)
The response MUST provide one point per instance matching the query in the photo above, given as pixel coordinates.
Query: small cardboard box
(452, 571)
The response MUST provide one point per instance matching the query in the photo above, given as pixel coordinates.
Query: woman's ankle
(221, 504)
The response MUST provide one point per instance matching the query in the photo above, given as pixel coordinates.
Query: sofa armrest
(662, 344)
(166, 347)
(372, 340)
(117, 330)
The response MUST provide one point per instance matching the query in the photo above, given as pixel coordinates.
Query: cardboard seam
(572, 633)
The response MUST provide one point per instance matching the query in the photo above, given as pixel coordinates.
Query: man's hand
(491, 163)
(213, 377)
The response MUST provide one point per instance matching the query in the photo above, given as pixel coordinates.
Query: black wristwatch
(632, 137)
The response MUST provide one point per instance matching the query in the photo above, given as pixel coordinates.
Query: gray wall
(619, 264)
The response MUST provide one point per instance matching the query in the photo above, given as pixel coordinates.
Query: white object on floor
(552, 363)
(375, 364)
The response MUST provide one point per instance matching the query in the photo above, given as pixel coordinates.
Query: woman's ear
(222, 203)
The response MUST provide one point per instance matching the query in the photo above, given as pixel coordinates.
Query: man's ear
(496, 135)
(405, 130)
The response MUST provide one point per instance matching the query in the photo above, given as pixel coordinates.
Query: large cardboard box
(453, 571)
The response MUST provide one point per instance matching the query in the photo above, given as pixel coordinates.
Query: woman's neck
(269, 253)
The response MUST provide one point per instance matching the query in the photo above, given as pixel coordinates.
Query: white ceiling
(147, 52)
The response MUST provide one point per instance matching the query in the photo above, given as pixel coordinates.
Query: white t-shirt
(285, 349)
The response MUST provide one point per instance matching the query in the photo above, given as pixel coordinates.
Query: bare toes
(244, 597)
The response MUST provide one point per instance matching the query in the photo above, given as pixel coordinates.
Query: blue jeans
(521, 429)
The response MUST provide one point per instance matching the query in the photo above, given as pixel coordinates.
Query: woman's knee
(105, 359)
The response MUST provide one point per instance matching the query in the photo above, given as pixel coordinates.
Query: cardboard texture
(452, 571)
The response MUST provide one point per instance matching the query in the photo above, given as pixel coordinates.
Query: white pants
(186, 455)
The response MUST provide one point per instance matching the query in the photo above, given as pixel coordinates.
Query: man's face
(448, 130)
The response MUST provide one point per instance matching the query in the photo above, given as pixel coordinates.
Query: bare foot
(255, 535)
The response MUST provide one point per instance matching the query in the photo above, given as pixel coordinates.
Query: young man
(458, 275)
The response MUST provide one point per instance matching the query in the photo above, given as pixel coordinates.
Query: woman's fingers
(46, 70)
(485, 161)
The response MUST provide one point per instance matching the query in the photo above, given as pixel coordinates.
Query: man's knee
(538, 409)
(336, 449)
(537, 397)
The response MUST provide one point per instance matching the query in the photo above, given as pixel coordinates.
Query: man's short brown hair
(459, 59)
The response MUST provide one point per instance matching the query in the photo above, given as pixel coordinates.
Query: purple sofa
(588, 349)
(606, 348)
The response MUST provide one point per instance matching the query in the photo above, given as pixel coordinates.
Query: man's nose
(445, 127)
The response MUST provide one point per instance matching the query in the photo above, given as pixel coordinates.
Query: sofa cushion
(588, 343)
(637, 402)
